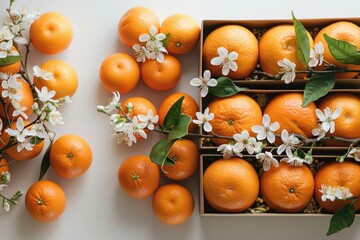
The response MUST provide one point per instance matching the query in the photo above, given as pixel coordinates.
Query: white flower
(267, 160)
(204, 82)
(293, 160)
(11, 88)
(27, 145)
(226, 60)
(16, 29)
(114, 104)
(244, 141)
(266, 130)
(204, 119)
(226, 150)
(149, 119)
(288, 143)
(6, 34)
(152, 38)
(6, 205)
(141, 53)
(19, 111)
(55, 117)
(355, 153)
(158, 54)
(138, 127)
(327, 118)
(6, 49)
(316, 55)
(332, 193)
(40, 130)
(288, 70)
(318, 132)
(40, 73)
(46, 96)
(20, 132)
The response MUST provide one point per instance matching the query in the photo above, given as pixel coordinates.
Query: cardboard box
(208, 26)
(206, 210)
(269, 93)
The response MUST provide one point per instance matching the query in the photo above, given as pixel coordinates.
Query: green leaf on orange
(302, 41)
(166, 40)
(45, 163)
(342, 51)
(10, 60)
(173, 115)
(181, 128)
(225, 88)
(318, 86)
(160, 151)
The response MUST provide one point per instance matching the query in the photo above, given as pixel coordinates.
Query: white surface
(96, 206)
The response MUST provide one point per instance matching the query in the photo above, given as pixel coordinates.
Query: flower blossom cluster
(154, 47)
(127, 128)
(333, 193)
(24, 134)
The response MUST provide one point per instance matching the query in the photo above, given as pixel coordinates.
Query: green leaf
(318, 86)
(300, 153)
(36, 140)
(225, 88)
(342, 219)
(45, 163)
(166, 40)
(181, 128)
(173, 115)
(344, 52)
(160, 151)
(302, 41)
(10, 60)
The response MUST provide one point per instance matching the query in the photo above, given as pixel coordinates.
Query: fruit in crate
(345, 31)
(277, 43)
(230, 185)
(233, 38)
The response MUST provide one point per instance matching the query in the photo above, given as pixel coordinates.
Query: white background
(96, 206)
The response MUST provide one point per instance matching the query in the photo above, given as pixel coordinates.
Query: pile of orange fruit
(70, 156)
(275, 44)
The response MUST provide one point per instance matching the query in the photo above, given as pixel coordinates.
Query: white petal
(258, 129)
(207, 127)
(336, 113)
(196, 82)
(212, 82)
(204, 91)
(261, 135)
(281, 149)
(233, 66)
(216, 61)
(233, 56)
(223, 52)
(225, 70)
(289, 152)
(266, 165)
(270, 137)
(144, 37)
(320, 115)
(325, 126)
(207, 74)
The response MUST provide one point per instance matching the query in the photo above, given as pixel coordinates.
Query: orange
(140, 105)
(185, 155)
(335, 174)
(286, 109)
(4, 166)
(134, 22)
(138, 176)
(70, 156)
(119, 72)
(233, 115)
(51, 33)
(184, 33)
(26, 101)
(287, 188)
(277, 43)
(45, 201)
(347, 124)
(230, 185)
(189, 107)
(173, 204)
(345, 31)
(12, 68)
(24, 154)
(233, 38)
(161, 76)
(64, 82)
